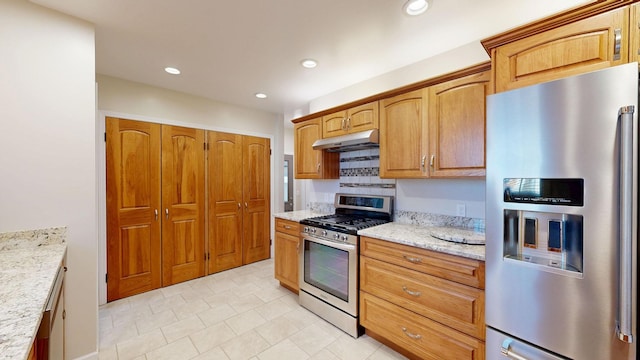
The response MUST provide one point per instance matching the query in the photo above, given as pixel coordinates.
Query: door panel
(256, 197)
(225, 198)
(183, 204)
(133, 198)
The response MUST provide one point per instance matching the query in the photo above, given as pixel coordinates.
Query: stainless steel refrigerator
(561, 218)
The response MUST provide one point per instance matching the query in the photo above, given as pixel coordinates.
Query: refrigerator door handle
(625, 321)
(506, 351)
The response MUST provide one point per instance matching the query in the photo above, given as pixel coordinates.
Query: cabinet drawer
(423, 337)
(458, 306)
(455, 268)
(288, 227)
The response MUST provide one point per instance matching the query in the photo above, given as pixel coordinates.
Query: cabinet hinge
(208, 256)
(270, 152)
(105, 137)
(106, 277)
(206, 146)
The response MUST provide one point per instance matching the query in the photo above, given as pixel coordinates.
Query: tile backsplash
(360, 174)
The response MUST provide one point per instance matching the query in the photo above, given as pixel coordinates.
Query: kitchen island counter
(29, 262)
(421, 236)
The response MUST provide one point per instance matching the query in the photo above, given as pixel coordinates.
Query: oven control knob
(306, 229)
(345, 237)
(336, 236)
(313, 230)
(324, 232)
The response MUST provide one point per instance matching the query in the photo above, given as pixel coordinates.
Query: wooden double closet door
(182, 203)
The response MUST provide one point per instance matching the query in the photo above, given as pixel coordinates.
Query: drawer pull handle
(412, 293)
(287, 227)
(413, 336)
(410, 259)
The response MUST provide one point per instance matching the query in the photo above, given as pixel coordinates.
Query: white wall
(47, 142)
(118, 97)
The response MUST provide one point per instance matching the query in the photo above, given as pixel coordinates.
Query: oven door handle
(334, 244)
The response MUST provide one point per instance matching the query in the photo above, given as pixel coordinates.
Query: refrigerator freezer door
(502, 346)
(567, 129)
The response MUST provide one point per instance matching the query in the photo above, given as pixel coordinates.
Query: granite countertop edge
(29, 262)
(421, 236)
(298, 215)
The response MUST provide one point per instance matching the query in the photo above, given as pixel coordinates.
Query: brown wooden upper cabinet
(309, 163)
(634, 33)
(359, 118)
(457, 126)
(585, 45)
(404, 134)
(436, 132)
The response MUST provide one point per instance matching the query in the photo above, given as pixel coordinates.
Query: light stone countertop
(29, 262)
(298, 215)
(421, 236)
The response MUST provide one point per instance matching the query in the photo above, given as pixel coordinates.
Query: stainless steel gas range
(329, 260)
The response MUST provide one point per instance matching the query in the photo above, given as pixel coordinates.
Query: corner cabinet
(457, 123)
(422, 303)
(359, 118)
(286, 249)
(581, 46)
(404, 131)
(310, 163)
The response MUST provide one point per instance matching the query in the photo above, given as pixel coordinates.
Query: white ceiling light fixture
(309, 63)
(172, 70)
(416, 7)
(261, 95)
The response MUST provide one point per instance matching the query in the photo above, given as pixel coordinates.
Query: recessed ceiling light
(415, 7)
(261, 95)
(309, 63)
(172, 70)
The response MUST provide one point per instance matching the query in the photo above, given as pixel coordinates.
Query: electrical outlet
(461, 209)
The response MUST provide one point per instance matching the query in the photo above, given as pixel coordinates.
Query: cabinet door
(404, 135)
(594, 43)
(363, 117)
(634, 33)
(309, 163)
(133, 203)
(256, 222)
(286, 259)
(457, 126)
(334, 124)
(225, 200)
(183, 204)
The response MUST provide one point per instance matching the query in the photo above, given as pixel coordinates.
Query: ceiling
(228, 50)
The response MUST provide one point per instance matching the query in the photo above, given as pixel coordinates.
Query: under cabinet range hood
(357, 141)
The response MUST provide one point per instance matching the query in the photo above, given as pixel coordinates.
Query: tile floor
(241, 313)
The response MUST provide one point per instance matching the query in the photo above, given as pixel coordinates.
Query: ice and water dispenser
(552, 240)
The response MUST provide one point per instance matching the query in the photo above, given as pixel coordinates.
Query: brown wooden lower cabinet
(458, 306)
(422, 303)
(420, 336)
(286, 249)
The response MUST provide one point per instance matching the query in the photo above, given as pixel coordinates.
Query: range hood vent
(357, 141)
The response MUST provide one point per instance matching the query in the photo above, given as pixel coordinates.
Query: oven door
(329, 271)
